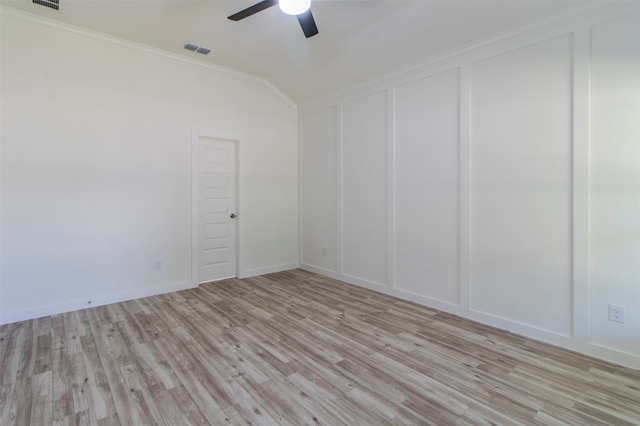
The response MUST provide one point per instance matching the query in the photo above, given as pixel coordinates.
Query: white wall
(96, 168)
(319, 171)
(364, 188)
(491, 182)
(427, 148)
(520, 230)
(615, 181)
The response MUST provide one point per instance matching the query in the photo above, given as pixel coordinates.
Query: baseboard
(268, 270)
(322, 271)
(563, 341)
(74, 305)
(381, 288)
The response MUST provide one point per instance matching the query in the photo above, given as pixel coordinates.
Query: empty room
(325, 212)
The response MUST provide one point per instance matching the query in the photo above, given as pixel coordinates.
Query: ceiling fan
(300, 8)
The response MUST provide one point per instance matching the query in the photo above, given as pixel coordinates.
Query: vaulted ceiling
(359, 40)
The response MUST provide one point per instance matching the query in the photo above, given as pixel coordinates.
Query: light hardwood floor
(295, 348)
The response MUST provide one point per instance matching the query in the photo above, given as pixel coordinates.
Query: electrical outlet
(157, 264)
(616, 313)
(324, 251)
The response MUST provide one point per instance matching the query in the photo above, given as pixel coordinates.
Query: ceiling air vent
(195, 48)
(53, 4)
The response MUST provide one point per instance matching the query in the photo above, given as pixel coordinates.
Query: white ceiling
(359, 40)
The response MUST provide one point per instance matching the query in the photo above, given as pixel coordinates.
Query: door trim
(195, 199)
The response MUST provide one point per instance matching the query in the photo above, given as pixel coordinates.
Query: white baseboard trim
(75, 305)
(405, 295)
(545, 336)
(364, 282)
(268, 270)
(322, 271)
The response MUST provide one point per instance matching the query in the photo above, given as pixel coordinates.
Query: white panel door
(217, 209)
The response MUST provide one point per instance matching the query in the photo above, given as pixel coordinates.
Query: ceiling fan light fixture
(294, 7)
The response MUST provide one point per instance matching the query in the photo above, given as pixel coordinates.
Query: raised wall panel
(364, 184)
(319, 171)
(427, 187)
(520, 238)
(615, 182)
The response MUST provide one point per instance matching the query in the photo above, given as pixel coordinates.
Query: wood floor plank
(102, 404)
(202, 394)
(252, 414)
(62, 393)
(369, 408)
(19, 410)
(42, 405)
(185, 405)
(113, 354)
(296, 348)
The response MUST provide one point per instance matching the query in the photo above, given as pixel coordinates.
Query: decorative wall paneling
(615, 182)
(364, 194)
(427, 186)
(520, 231)
(513, 183)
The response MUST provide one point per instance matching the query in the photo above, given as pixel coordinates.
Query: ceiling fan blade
(258, 7)
(308, 24)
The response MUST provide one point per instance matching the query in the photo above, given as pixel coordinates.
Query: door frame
(196, 134)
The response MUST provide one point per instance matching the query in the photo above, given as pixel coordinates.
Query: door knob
(232, 216)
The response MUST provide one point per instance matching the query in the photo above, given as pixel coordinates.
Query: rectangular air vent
(53, 4)
(191, 47)
(196, 48)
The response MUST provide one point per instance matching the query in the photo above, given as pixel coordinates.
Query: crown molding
(156, 53)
